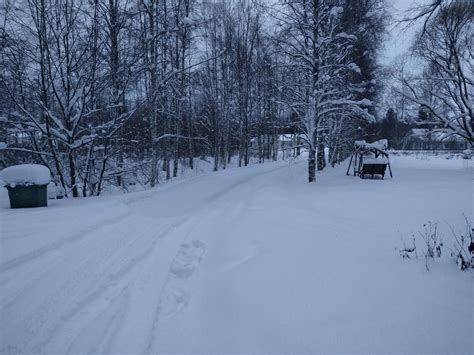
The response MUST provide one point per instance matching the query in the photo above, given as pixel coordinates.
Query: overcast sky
(400, 37)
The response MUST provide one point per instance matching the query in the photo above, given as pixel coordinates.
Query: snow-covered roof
(25, 174)
(434, 135)
(381, 144)
(286, 137)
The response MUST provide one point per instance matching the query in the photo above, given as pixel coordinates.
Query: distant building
(434, 139)
(286, 143)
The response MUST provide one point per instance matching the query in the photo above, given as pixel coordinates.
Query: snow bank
(427, 160)
(25, 174)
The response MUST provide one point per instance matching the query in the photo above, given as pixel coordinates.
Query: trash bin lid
(25, 174)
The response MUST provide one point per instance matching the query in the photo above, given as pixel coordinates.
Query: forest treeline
(102, 91)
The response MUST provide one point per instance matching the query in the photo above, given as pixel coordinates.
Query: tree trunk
(73, 178)
(312, 165)
(321, 156)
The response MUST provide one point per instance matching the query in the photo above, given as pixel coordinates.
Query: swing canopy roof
(378, 147)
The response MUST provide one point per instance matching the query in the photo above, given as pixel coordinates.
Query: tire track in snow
(74, 303)
(30, 273)
(84, 233)
(175, 294)
(221, 193)
(107, 323)
(82, 291)
(99, 307)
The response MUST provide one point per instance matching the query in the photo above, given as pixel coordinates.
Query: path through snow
(244, 260)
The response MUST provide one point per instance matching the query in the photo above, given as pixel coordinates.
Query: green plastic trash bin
(26, 184)
(26, 196)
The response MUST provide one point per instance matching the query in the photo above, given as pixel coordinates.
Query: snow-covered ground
(250, 260)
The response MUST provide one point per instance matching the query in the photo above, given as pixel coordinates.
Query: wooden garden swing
(370, 159)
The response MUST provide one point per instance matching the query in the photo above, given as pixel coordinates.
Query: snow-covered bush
(25, 175)
(55, 191)
(467, 154)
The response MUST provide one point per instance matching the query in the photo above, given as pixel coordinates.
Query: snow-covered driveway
(244, 260)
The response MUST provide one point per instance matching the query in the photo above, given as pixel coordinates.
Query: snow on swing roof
(381, 144)
(25, 174)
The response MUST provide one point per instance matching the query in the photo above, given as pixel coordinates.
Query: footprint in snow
(188, 259)
(176, 296)
(174, 300)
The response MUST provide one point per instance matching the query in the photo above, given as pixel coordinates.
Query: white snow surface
(249, 260)
(25, 174)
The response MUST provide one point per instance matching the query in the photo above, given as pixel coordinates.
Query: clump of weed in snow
(463, 250)
(433, 242)
(408, 252)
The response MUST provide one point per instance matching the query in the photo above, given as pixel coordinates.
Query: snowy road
(244, 260)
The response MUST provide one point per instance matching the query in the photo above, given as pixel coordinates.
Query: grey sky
(400, 37)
